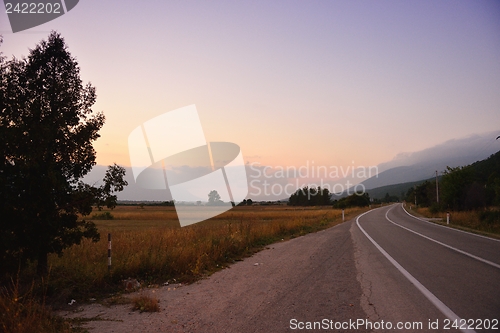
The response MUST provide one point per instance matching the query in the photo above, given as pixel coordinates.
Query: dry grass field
(466, 220)
(149, 245)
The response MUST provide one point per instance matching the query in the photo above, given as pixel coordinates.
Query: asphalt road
(417, 271)
(369, 274)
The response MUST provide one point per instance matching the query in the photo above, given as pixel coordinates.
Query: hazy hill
(483, 170)
(404, 168)
(393, 190)
(411, 167)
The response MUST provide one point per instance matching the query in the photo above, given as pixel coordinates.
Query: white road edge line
(441, 243)
(442, 226)
(426, 292)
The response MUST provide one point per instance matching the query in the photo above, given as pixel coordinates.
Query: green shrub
(103, 216)
(490, 217)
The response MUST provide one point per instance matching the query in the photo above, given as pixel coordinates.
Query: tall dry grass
(23, 312)
(148, 244)
(473, 220)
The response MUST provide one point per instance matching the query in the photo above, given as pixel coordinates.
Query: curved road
(371, 274)
(442, 272)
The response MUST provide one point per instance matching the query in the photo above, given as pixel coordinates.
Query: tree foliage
(310, 196)
(214, 198)
(455, 185)
(462, 188)
(47, 127)
(474, 186)
(389, 198)
(246, 202)
(425, 194)
(354, 200)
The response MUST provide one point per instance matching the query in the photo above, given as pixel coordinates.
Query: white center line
(426, 292)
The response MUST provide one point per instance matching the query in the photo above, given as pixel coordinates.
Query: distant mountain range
(398, 190)
(411, 168)
(421, 165)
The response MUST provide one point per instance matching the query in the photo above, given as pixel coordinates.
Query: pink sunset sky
(289, 81)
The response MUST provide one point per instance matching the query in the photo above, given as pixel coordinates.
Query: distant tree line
(246, 202)
(317, 196)
(425, 194)
(463, 188)
(354, 200)
(146, 203)
(310, 196)
(387, 199)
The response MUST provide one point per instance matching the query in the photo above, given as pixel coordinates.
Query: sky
(335, 82)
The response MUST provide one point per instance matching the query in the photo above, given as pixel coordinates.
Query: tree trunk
(42, 265)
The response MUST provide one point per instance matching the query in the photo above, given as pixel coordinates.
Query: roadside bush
(103, 216)
(24, 313)
(145, 304)
(435, 208)
(354, 200)
(490, 217)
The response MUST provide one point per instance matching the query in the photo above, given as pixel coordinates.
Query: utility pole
(415, 192)
(437, 188)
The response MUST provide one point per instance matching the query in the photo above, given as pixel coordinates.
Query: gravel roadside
(306, 279)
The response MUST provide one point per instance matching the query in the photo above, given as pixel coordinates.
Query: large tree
(47, 127)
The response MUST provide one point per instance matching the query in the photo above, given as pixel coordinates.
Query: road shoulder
(309, 279)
